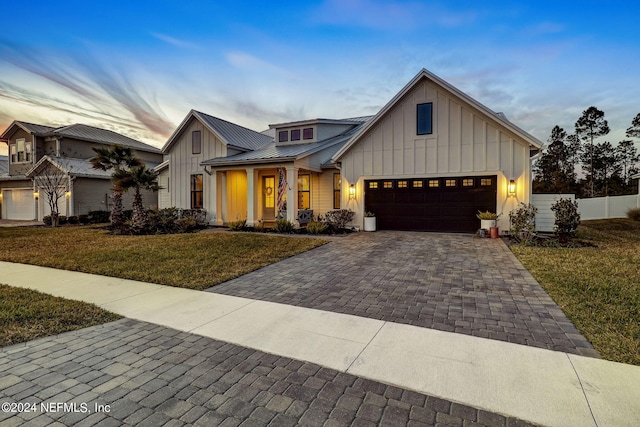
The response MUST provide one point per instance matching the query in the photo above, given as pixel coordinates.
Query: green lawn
(26, 314)
(194, 261)
(597, 288)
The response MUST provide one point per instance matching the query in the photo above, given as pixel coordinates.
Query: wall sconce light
(352, 191)
(36, 195)
(68, 194)
(512, 188)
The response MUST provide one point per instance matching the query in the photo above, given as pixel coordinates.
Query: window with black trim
(485, 181)
(196, 192)
(283, 136)
(449, 182)
(304, 193)
(434, 183)
(425, 118)
(295, 135)
(307, 133)
(467, 182)
(196, 142)
(336, 190)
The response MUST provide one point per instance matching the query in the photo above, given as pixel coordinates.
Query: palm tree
(139, 178)
(119, 159)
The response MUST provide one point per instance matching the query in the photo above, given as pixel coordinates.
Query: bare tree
(53, 181)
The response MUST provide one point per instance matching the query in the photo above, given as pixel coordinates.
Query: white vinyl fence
(596, 208)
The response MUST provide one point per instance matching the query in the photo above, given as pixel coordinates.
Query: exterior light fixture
(36, 195)
(68, 194)
(512, 188)
(352, 191)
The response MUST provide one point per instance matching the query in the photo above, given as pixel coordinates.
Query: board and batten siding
(465, 141)
(164, 194)
(184, 163)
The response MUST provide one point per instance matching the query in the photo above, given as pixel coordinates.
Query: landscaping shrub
(83, 219)
(238, 225)
(634, 214)
(523, 222)
(199, 215)
(339, 218)
(47, 220)
(284, 226)
(317, 227)
(73, 219)
(98, 217)
(567, 219)
(174, 220)
(187, 224)
(62, 220)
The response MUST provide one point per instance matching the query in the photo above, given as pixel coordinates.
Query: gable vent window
(196, 142)
(283, 136)
(295, 135)
(425, 118)
(307, 133)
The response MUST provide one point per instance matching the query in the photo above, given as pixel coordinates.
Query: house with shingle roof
(428, 160)
(33, 147)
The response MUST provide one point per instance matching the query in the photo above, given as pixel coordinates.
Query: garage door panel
(18, 204)
(401, 205)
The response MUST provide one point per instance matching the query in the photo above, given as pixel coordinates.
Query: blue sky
(138, 67)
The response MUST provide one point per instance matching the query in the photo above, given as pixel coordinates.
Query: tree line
(606, 169)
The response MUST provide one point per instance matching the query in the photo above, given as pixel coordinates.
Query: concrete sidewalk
(536, 385)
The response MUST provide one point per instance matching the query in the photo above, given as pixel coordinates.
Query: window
(196, 142)
(434, 183)
(304, 184)
(196, 192)
(467, 182)
(336, 190)
(425, 119)
(373, 185)
(402, 184)
(283, 136)
(295, 135)
(307, 133)
(20, 151)
(450, 182)
(387, 184)
(485, 181)
(417, 184)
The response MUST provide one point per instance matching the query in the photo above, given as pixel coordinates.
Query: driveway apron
(454, 283)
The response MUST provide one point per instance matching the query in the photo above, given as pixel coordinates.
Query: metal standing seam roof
(274, 152)
(81, 168)
(36, 129)
(235, 135)
(104, 136)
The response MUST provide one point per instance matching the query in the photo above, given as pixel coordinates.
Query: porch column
(222, 218)
(250, 196)
(292, 193)
(213, 205)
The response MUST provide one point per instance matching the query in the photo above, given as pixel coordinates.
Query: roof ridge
(227, 121)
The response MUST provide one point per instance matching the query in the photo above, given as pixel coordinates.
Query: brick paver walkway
(453, 283)
(149, 375)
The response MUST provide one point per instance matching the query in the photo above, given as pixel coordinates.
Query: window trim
(21, 156)
(283, 136)
(337, 191)
(307, 133)
(195, 191)
(308, 191)
(196, 143)
(295, 135)
(426, 128)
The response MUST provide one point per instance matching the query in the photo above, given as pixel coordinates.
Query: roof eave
(250, 162)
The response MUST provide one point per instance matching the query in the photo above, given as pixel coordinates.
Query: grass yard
(194, 261)
(26, 314)
(597, 288)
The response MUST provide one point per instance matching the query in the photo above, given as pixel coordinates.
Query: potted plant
(487, 219)
(369, 221)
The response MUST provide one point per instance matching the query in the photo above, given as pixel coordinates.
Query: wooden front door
(269, 198)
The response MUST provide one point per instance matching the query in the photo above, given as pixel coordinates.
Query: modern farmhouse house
(32, 148)
(428, 160)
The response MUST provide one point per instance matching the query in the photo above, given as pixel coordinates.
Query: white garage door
(18, 204)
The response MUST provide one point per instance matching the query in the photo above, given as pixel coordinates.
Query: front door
(269, 198)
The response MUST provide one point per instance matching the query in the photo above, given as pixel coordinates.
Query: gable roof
(274, 153)
(230, 134)
(500, 118)
(80, 131)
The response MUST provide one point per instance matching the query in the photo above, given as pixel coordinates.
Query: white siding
(164, 194)
(545, 218)
(465, 141)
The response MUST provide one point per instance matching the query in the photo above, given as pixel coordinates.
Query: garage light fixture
(36, 195)
(68, 194)
(352, 191)
(512, 188)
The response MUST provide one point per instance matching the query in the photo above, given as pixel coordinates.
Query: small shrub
(62, 220)
(99, 217)
(316, 227)
(339, 218)
(284, 226)
(523, 222)
(47, 220)
(567, 219)
(199, 215)
(73, 219)
(634, 214)
(238, 225)
(259, 226)
(187, 224)
(163, 221)
(83, 219)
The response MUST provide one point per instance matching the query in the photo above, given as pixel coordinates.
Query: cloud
(174, 41)
(389, 15)
(252, 63)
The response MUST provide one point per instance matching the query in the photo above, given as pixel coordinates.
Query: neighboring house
(33, 147)
(428, 160)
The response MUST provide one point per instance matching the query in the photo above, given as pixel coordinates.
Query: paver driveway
(449, 282)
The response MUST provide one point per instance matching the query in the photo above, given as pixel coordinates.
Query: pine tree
(589, 126)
